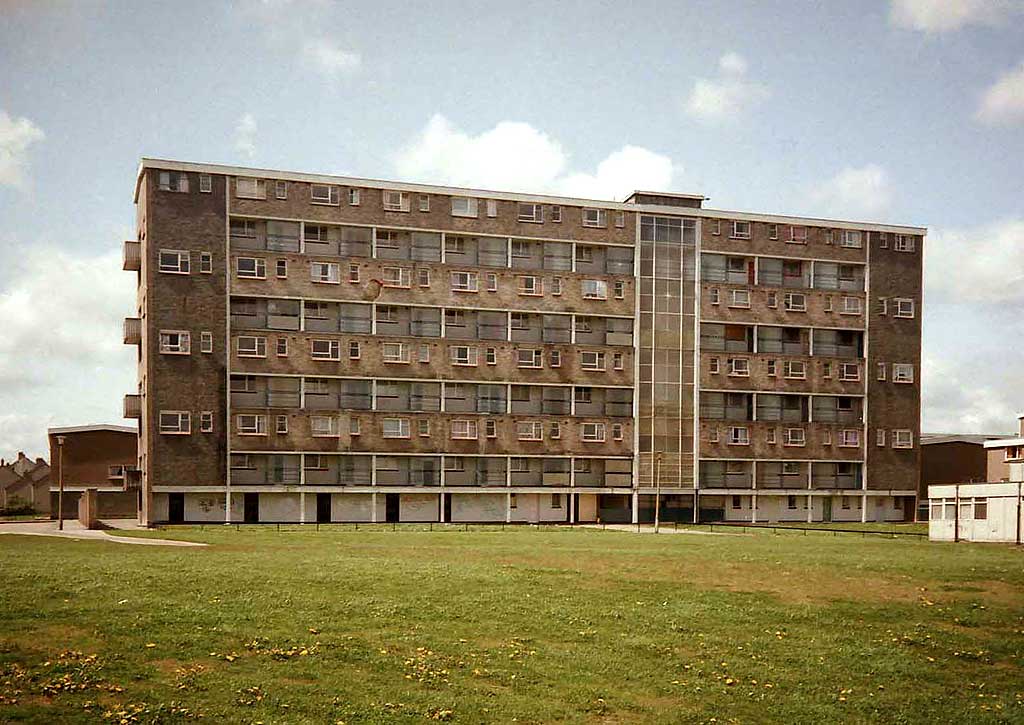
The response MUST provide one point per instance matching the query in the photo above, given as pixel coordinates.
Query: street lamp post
(60, 482)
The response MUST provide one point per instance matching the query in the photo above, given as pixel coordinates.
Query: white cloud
(1003, 102)
(967, 396)
(983, 264)
(16, 135)
(329, 58)
(939, 16)
(245, 136)
(853, 193)
(726, 97)
(62, 360)
(516, 156)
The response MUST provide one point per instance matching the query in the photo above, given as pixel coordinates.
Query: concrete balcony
(133, 406)
(132, 331)
(132, 256)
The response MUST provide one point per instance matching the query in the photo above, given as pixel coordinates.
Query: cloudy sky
(903, 111)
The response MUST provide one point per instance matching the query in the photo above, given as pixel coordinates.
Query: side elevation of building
(318, 348)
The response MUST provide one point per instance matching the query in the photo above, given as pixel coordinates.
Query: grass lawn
(497, 626)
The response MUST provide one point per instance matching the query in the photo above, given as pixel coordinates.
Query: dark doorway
(323, 508)
(392, 502)
(176, 508)
(446, 515)
(251, 509)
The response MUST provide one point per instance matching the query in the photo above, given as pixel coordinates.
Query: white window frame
(904, 243)
(849, 438)
(465, 281)
(464, 430)
(258, 271)
(423, 202)
(790, 300)
(536, 358)
(401, 280)
(844, 375)
(390, 356)
(903, 373)
(739, 367)
(257, 349)
(492, 208)
(250, 424)
(794, 437)
(280, 189)
(593, 433)
(902, 438)
(797, 234)
(852, 239)
(794, 369)
(182, 265)
(395, 200)
(534, 431)
(182, 345)
(321, 349)
(258, 189)
(904, 308)
(593, 217)
(206, 421)
(594, 360)
(324, 426)
(206, 342)
(598, 289)
(739, 435)
(325, 272)
(530, 213)
(470, 358)
(182, 425)
(469, 204)
(852, 306)
(737, 232)
(740, 299)
(529, 286)
(353, 197)
(205, 184)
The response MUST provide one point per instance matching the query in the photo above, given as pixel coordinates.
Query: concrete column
(441, 506)
(753, 508)
(636, 507)
(864, 509)
(508, 507)
(810, 508)
(373, 507)
(302, 507)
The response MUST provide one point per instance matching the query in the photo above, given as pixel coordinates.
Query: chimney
(40, 461)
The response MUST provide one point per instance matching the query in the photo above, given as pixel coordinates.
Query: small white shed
(976, 512)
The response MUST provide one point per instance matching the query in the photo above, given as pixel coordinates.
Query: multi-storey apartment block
(316, 348)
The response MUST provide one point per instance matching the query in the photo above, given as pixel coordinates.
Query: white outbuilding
(977, 512)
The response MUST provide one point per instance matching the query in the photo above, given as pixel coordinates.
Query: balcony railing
(132, 331)
(133, 406)
(132, 256)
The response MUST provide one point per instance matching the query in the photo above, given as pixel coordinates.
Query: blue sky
(906, 111)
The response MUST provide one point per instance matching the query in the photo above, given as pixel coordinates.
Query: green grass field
(519, 625)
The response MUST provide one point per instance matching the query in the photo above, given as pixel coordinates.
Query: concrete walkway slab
(74, 530)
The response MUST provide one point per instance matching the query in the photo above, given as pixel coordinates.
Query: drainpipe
(1020, 485)
(956, 513)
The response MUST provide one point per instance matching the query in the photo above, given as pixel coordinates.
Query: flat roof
(976, 438)
(90, 428)
(656, 209)
(1004, 442)
(676, 194)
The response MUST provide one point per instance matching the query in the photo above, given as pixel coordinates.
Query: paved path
(74, 530)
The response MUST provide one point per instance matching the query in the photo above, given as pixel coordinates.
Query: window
(852, 306)
(246, 188)
(531, 286)
(251, 267)
(395, 352)
(251, 425)
(594, 217)
(771, 367)
(904, 307)
(354, 428)
(173, 181)
(174, 261)
(205, 263)
(828, 303)
(396, 201)
(714, 295)
(424, 202)
(175, 422)
(902, 439)
(530, 213)
(556, 214)
(205, 183)
(395, 428)
(353, 273)
(325, 349)
(713, 435)
(281, 425)
(794, 369)
(491, 428)
(463, 355)
(423, 428)
(324, 426)
(739, 436)
(584, 254)
(281, 189)
(795, 302)
(594, 289)
(617, 431)
(769, 436)
(794, 437)
(591, 360)
(175, 342)
(617, 360)
(555, 358)
(849, 372)
(529, 358)
(797, 235)
(620, 219)
(849, 438)
(903, 243)
(492, 207)
(592, 432)
(353, 197)
(739, 366)
(980, 509)
(791, 502)
(396, 277)
(715, 225)
(282, 347)
(740, 298)
(852, 239)
(491, 356)
(530, 430)
(713, 365)
(881, 371)
(902, 373)
(620, 289)
(423, 277)
(423, 355)
(464, 430)
(206, 421)
(773, 231)
(206, 342)
(464, 206)
(324, 194)
(354, 350)
(740, 230)
(880, 438)
(251, 346)
(826, 370)
(326, 272)
(281, 268)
